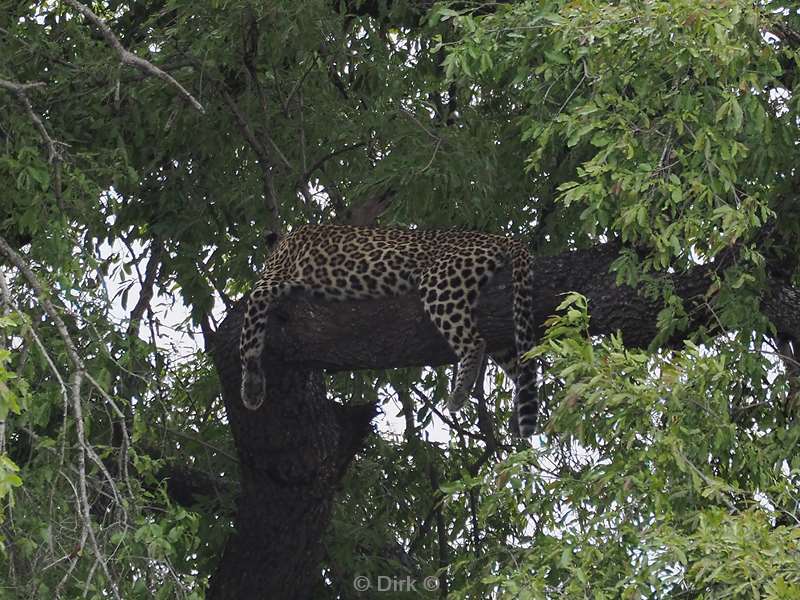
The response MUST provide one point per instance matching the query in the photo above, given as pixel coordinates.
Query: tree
(645, 150)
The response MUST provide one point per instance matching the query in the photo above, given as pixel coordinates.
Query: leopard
(447, 268)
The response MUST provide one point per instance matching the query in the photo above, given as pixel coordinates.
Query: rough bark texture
(292, 453)
(294, 450)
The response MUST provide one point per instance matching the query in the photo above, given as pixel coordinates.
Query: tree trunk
(294, 450)
(292, 453)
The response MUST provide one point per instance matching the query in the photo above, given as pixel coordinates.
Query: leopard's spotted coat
(447, 267)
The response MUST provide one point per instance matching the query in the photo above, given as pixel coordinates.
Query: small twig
(450, 422)
(318, 163)
(441, 535)
(706, 479)
(64, 392)
(203, 268)
(301, 112)
(665, 152)
(20, 91)
(433, 156)
(572, 93)
(198, 440)
(270, 197)
(129, 58)
(126, 442)
(76, 552)
(297, 85)
(414, 118)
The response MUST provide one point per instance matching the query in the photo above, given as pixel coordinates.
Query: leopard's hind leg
(449, 291)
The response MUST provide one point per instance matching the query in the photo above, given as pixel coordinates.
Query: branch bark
(292, 455)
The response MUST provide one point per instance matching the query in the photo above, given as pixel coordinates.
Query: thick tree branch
(369, 210)
(292, 454)
(342, 336)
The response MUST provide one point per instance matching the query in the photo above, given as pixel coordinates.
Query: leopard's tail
(526, 400)
(252, 339)
(251, 345)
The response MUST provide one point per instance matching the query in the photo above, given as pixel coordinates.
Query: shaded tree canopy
(645, 151)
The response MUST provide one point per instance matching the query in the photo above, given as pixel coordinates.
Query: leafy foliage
(667, 126)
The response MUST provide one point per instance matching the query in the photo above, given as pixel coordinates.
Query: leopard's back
(340, 261)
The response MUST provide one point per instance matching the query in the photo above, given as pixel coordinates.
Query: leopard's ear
(271, 238)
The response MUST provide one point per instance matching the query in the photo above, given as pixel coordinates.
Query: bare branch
(419, 123)
(203, 268)
(76, 553)
(198, 440)
(126, 441)
(129, 58)
(146, 293)
(77, 380)
(16, 260)
(297, 86)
